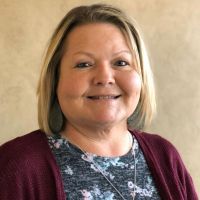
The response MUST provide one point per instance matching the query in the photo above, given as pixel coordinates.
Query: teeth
(103, 97)
(106, 97)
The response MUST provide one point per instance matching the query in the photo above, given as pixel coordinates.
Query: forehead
(96, 34)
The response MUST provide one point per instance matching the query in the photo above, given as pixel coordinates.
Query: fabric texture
(82, 179)
(28, 169)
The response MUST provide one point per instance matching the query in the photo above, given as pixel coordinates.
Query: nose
(104, 75)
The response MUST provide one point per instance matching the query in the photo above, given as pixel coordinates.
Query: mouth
(103, 97)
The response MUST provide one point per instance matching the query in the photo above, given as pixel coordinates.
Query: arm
(172, 178)
(28, 170)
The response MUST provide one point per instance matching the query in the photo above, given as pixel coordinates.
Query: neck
(109, 142)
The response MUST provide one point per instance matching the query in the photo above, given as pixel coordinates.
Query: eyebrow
(123, 51)
(83, 52)
(91, 55)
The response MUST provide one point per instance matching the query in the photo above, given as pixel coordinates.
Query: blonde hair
(50, 116)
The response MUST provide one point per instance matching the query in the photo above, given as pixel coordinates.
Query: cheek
(65, 86)
(70, 86)
(132, 84)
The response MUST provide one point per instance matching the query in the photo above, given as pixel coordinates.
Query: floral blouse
(83, 181)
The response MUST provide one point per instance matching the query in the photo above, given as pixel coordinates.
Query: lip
(104, 97)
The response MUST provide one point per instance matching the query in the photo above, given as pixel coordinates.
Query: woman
(95, 93)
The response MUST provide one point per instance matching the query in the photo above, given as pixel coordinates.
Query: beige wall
(172, 32)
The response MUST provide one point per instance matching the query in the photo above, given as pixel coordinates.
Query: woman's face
(98, 83)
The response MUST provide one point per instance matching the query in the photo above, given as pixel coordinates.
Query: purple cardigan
(28, 170)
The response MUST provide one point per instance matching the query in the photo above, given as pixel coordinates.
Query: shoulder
(164, 162)
(23, 143)
(27, 165)
(153, 140)
(157, 147)
(159, 151)
(23, 151)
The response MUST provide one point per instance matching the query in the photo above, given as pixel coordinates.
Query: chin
(109, 120)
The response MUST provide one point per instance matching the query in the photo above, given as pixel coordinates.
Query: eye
(121, 63)
(83, 65)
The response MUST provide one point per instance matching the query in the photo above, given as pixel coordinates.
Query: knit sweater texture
(28, 169)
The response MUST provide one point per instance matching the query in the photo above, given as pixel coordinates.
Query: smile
(102, 97)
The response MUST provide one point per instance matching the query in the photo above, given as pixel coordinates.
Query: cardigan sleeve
(28, 170)
(171, 176)
(13, 171)
(182, 175)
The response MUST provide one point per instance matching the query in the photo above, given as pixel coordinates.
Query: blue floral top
(82, 179)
